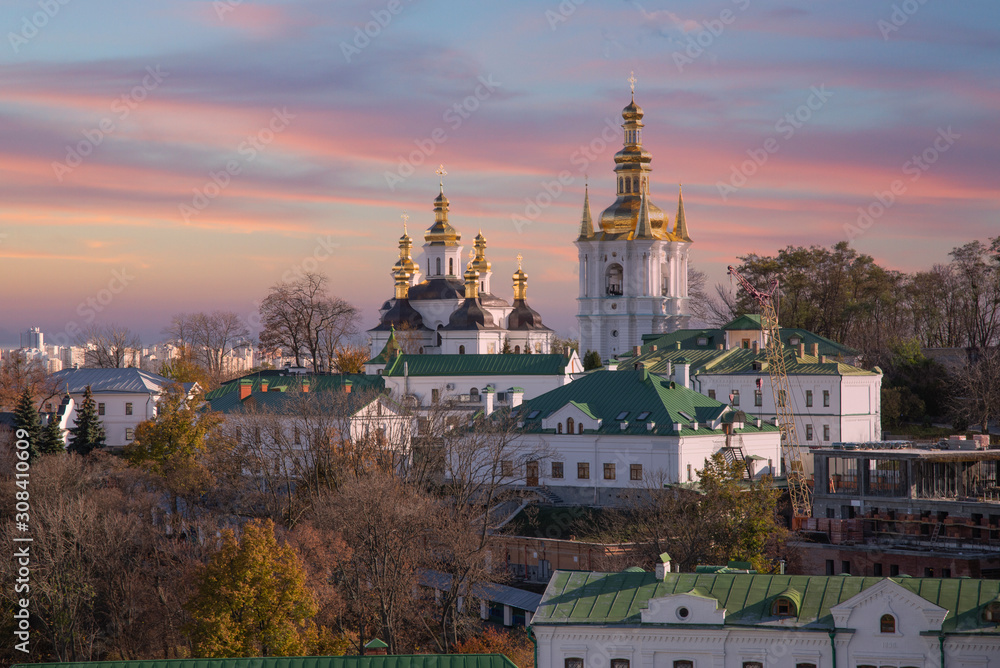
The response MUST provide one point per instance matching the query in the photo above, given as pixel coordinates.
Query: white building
(616, 429)
(633, 266)
(124, 398)
(832, 401)
(453, 309)
(744, 620)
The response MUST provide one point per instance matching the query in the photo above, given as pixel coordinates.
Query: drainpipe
(833, 646)
(534, 641)
(941, 646)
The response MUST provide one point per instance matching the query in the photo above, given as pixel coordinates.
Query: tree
(174, 445)
(977, 391)
(111, 346)
(87, 432)
(592, 360)
(27, 424)
(350, 359)
(252, 599)
(18, 374)
(300, 318)
(506, 349)
(514, 644)
(51, 440)
(209, 338)
(563, 346)
(977, 268)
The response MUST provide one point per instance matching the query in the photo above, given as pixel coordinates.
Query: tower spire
(681, 228)
(643, 228)
(586, 221)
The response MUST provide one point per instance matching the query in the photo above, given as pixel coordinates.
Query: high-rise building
(633, 265)
(33, 338)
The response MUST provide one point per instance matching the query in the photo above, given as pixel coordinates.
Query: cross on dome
(631, 82)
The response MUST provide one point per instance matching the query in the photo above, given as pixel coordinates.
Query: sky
(159, 157)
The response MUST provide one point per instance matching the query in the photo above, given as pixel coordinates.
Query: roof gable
(886, 597)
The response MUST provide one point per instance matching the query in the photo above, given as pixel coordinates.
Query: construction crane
(791, 453)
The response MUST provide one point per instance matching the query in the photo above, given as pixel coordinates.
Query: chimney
(347, 386)
(623, 425)
(663, 567)
(306, 382)
(822, 359)
(650, 426)
(681, 372)
(263, 384)
(654, 347)
(678, 426)
(246, 385)
(677, 345)
(802, 350)
(516, 396)
(636, 350)
(815, 349)
(488, 394)
(720, 346)
(755, 347)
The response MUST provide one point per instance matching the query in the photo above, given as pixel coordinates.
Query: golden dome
(441, 233)
(479, 261)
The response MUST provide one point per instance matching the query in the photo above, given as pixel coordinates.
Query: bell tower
(633, 264)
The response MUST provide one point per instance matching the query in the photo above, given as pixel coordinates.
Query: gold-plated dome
(479, 261)
(441, 233)
(471, 282)
(520, 281)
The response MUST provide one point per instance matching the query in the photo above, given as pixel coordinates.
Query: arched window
(517, 350)
(573, 663)
(619, 663)
(782, 607)
(621, 185)
(474, 393)
(683, 663)
(451, 266)
(887, 624)
(613, 280)
(437, 264)
(461, 350)
(579, 428)
(569, 425)
(635, 184)
(559, 428)
(628, 185)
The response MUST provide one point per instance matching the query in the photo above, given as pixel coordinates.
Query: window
(758, 398)
(517, 350)
(437, 265)
(711, 394)
(684, 663)
(805, 665)
(635, 471)
(128, 408)
(794, 341)
(736, 397)
(887, 624)
(809, 398)
(474, 395)
(451, 266)
(129, 433)
(621, 416)
(745, 343)
(297, 437)
(702, 340)
(506, 468)
(557, 469)
(826, 398)
(569, 425)
(609, 471)
(878, 570)
(809, 432)
(782, 608)
(533, 414)
(613, 280)
(559, 428)
(643, 415)
(100, 409)
(753, 664)
(893, 570)
(829, 567)
(991, 613)
(845, 567)
(619, 663)
(579, 428)
(689, 473)
(461, 350)
(435, 396)
(573, 663)
(583, 470)
(826, 432)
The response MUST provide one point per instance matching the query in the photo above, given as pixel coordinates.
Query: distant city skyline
(178, 157)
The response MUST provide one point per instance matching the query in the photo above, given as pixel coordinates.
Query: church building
(633, 267)
(444, 306)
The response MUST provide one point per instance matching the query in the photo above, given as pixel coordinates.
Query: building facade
(701, 620)
(633, 264)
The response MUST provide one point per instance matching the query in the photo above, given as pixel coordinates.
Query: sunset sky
(116, 114)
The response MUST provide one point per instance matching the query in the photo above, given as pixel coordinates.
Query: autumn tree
(110, 346)
(350, 359)
(302, 319)
(174, 445)
(252, 599)
(208, 338)
(87, 433)
(18, 374)
(513, 643)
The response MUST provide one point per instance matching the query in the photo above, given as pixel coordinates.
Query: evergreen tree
(506, 350)
(51, 441)
(592, 360)
(87, 432)
(26, 420)
(527, 348)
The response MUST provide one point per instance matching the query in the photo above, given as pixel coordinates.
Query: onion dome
(441, 233)
(523, 316)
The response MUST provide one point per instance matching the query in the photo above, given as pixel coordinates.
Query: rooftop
(478, 365)
(126, 381)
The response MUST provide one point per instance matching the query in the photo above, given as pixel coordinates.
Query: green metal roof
(478, 365)
(738, 361)
(689, 338)
(745, 321)
(604, 395)
(619, 598)
(226, 399)
(390, 661)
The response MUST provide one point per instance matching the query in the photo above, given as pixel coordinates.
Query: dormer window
(621, 416)
(783, 608)
(991, 613)
(887, 624)
(794, 341)
(702, 340)
(643, 415)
